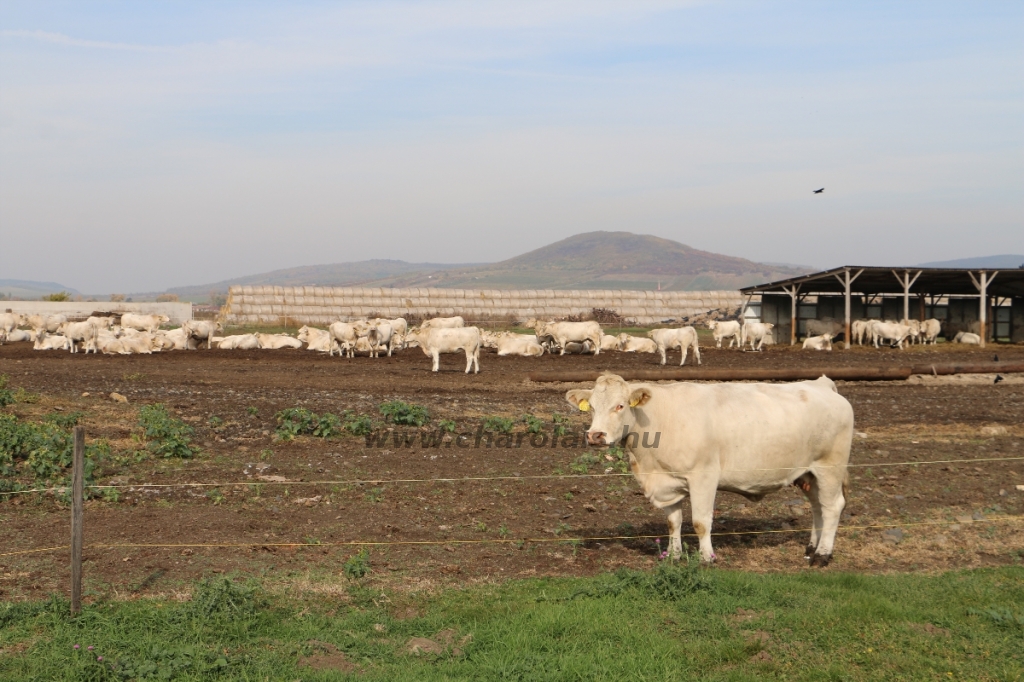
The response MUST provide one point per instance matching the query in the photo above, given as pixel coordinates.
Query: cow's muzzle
(596, 438)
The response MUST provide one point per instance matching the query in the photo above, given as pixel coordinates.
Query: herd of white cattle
(134, 333)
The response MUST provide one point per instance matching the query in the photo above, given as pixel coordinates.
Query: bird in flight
(819, 191)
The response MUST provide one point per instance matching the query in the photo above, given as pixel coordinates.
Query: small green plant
(375, 495)
(215, 496)
(581, 465)
(266, 455)
(533, 425)
(167, 436)
(23, 396)
(562, 528)
(402, 413)
(134, 376)
(503, 531)
(567, 497)
(560, 425)
(252, 411)
(481, 527)
(298, 421)
(447, 425)
(357, 425)
(670, 580)
(498, 424)
(358, 565)
(617, 459)
(6, 394)
(42, 452)
(64, 421)
(111, 495)
(214, 422)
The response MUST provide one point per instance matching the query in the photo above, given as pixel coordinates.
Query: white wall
(178, 312)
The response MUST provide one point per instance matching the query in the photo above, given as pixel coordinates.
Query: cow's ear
(639, 396)
(579, 398)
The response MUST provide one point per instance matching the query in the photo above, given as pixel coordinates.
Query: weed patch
(167, 436)
(402, 413)
(40, 454)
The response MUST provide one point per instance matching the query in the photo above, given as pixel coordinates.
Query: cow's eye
(620, 408)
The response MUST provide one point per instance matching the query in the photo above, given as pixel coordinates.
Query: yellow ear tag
(634, 403)
(584, 405)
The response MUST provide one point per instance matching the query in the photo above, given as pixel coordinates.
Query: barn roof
(880, 280)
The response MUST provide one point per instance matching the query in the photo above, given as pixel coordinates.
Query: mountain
(1006, 261)
(592, 260)
(28, 290)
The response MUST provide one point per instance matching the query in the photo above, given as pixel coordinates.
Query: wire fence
(470, 479)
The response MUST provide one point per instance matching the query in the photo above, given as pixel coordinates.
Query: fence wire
(469, 479)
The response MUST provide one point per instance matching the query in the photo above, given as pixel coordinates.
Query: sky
(147, 145)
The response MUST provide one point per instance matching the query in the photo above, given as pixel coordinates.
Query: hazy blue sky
(145, 145)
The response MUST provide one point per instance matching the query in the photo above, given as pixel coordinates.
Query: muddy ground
(951, 514)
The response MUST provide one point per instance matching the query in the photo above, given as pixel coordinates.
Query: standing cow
(692, 440)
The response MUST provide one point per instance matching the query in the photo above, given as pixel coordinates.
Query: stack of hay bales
(275, 305)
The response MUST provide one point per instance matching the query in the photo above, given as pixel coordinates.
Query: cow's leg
(683, 349)
(469, 359)
(809, 484)
(437, 360)
(664, 356)
(476, 360)
(702, 505)
(675, 530)
(597, 345)
(696, 352)
(562, 342)
(828, 489)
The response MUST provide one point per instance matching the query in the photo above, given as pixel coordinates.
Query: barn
(962, 299)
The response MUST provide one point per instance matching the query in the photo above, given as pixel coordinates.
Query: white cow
(380, 335)
(609, 342)
(564, 332)
(443, 323)
(824, 326)
(519, 344)
(823, 342)
(399, 327)
(277, 341)
(725, 329)
(20, 336)
(101, 322)
(46, 341)
(433, 342)
(316, 339)
(755, 333)
(683, 338)
(691, 440)
(143, 343)
(930, 330)
(968, 338)
(636, 344)
(80, 332)
(239, 342)
(915, 330)
(144, 323)
(202, 330)
(177, 339)
(893, 332)
(48, 322)
(345, 337)
(858, 328)
(10, 321)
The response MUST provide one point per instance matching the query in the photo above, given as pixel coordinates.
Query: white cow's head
(612, 402)
(712, 324)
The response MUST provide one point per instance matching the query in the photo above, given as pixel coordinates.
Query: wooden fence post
(77, 485)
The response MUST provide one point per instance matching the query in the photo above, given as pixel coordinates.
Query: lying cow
(725, 329)
(239, 342)
(749, 439)
(433, 342)
(46, 341)
(277, 341)
(519, 344)
(316, 339)
(823, 342)
(636, 344)
(968, 338)
(609, 342)
(683, 338)
(20, 336)
(49, 323)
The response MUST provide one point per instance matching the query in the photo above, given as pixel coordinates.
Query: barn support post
(792, 291)
(906, 282)
(846, 280)
(981, 283)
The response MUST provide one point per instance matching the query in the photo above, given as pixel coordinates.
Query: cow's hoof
(821, 560)
(809, 552)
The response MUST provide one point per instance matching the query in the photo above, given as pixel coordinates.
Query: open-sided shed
(990, 302)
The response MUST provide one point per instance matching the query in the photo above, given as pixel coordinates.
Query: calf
(755, 332)
(725, 329)
(823, 342)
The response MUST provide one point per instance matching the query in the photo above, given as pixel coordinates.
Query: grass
(674, 622)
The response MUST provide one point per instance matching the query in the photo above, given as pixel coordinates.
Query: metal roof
(879, 280)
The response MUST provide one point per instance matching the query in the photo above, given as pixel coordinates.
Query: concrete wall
(251, 305)
(178, 312)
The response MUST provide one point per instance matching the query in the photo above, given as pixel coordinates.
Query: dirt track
(903, 422)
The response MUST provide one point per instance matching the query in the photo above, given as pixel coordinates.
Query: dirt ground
(522, 520)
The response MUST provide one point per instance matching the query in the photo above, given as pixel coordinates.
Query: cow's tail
(846, 485)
